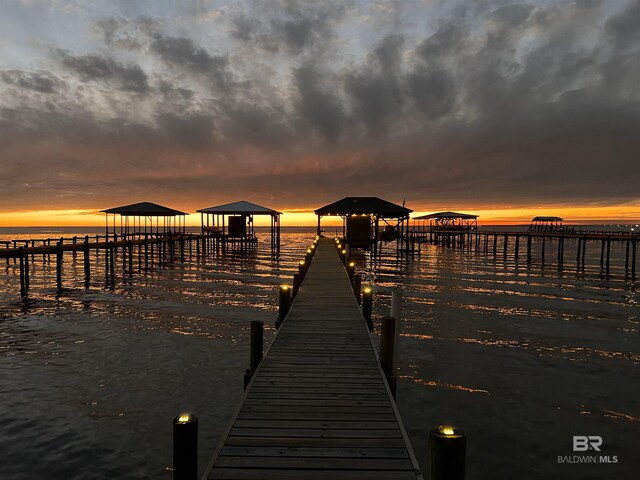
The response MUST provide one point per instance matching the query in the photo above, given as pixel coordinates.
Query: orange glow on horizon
(306, 217)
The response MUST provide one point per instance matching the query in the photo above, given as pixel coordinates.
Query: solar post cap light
(185, 446)
(284, 302)
(448, 446)
(367, 305)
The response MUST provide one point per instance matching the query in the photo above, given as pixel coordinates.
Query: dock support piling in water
(23, 289)
(87, 266)
(297, 280)
(386, 355)
(396, 313)
(130, 248)
(367, 306)
(185, 447)
(633, 260)
(357, 286)
(111, 263)
(59, 266)
(256, 350)
(351, 270)
(284, 302)
(448, 447)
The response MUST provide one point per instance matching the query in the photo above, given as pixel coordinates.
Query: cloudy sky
(485, 104)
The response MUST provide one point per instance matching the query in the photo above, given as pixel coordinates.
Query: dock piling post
(626, 257)
(283, 304)
(297, 281)
(448, 447)
(351, 270)
(26, 273)
(633, 260)
(185, 447)
(357, 287)
(130, 247)
(256, 352)
(386, 354)
(59, 265)
(87, 269)
(396, 312)
(111, 261)
(23, 290)
(367, 306)
(302, 269)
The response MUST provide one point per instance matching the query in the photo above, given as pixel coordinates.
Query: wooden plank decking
(318, 406)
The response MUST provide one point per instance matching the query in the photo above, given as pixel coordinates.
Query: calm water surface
(521, 358)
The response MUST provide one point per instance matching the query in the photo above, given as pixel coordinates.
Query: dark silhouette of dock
(318, 405)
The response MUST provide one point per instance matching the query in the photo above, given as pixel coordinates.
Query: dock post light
(185, 447)
(448, 446)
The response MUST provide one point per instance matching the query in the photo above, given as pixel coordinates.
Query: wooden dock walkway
(318, 405)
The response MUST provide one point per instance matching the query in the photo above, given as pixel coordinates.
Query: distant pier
(552, 245)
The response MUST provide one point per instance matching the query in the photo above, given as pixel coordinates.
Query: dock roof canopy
(546, 219)
(146, 209)
(364, 205)
(240, 208)
(447, 215)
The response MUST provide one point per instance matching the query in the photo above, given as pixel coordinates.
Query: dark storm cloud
(98, 67)
(376, 87)
(184, 54)
(500, 102)
(41, 81)
(318, 104)
(128, 34)
(290, 27)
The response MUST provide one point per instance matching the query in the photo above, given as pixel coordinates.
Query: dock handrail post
(357, 287)
(386, 354)
(256, 349)
(448, 446)
(283, 304)
(185, 447)
(367, 306)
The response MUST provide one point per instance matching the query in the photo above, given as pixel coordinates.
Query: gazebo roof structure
(238, 208)
(547, 219)
(364, 205)
(448, 215)
(146, 209)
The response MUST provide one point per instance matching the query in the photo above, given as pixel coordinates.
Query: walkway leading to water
(318, 406)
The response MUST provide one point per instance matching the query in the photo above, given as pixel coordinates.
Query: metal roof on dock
(240, 207)
(446, 215)
(144, 208)
(364, 205)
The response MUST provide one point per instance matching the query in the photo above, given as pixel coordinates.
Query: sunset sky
(503, 108)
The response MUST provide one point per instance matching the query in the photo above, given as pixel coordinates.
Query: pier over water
(318, 406)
